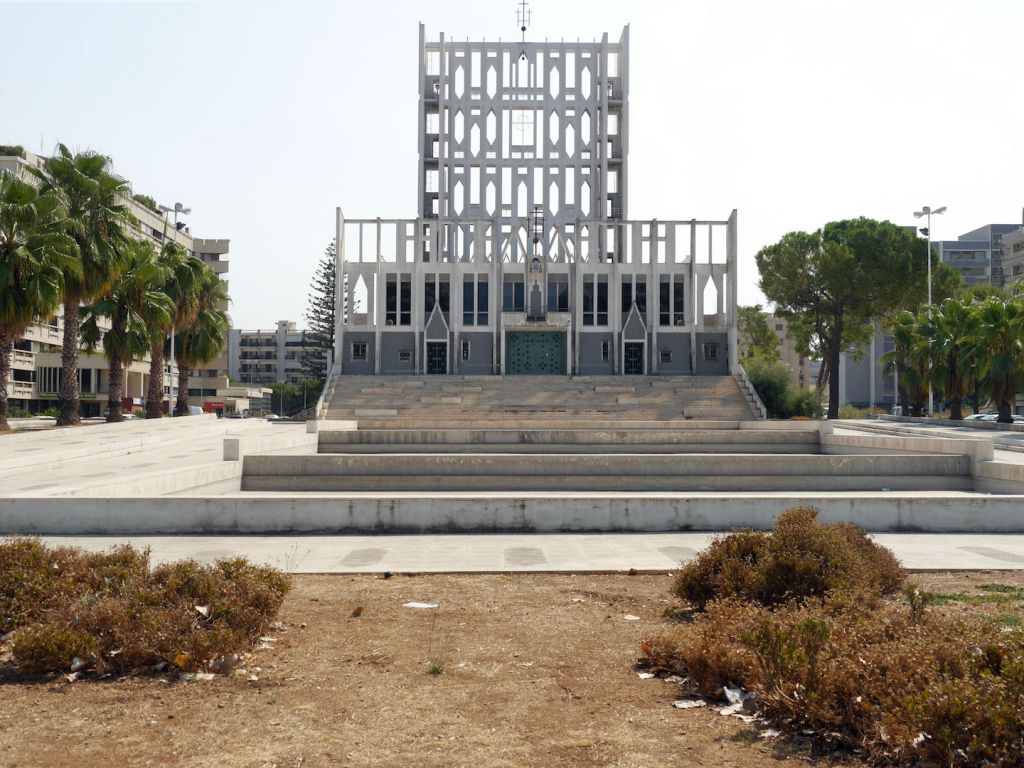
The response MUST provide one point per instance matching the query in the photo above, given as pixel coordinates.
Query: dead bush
(115, 613)
(904, 687)
(800, 558)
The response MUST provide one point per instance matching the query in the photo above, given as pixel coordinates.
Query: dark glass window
(406, 318)
(481, 300)
(429, 295)
(679, 302)
(444, 294)
(602, 302)
(664, 299)
(467, 300)
(391, 301)
(558, 293)
(513, 295)
(588, 302)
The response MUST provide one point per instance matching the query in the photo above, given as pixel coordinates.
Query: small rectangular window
(710, 351)
(405, 356)
(605, 349)
(665, 356)
(358, 350)
(465, 350)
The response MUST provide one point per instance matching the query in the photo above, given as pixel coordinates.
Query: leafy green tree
(184, 276)
(98, 221)
(832, 283)
(756, 339)
(203, 339)
(999, 344)
(134, 302)
(35, 254)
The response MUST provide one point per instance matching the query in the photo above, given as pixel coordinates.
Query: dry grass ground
(537, 671)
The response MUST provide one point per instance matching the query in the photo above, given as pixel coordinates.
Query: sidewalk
(610, 552)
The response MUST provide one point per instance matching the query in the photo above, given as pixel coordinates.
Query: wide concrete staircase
(377, 401)
(579, 435)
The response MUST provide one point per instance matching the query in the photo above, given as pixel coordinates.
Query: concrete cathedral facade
(522, 259)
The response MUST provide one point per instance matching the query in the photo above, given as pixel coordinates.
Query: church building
(522, 259)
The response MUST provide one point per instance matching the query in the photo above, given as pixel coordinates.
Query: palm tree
(911, 367)
(999, 338)
(202, 340)
(946, 334)
(98, 220)
(184, 276)
(134, 302)
(34, 256)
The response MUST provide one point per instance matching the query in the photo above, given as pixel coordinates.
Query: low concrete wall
(245, 514)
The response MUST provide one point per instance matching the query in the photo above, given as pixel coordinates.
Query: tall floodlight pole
(178, 208)
(927, 212)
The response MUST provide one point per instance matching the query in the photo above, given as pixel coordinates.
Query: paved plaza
(482, 553)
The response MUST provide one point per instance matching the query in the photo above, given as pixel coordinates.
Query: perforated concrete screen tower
(522, 259)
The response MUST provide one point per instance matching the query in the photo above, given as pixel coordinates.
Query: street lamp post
(927, 211)
(178, 208)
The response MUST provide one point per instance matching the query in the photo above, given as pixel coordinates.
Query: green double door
(535, 353)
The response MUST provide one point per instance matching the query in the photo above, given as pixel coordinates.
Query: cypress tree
(319, 338)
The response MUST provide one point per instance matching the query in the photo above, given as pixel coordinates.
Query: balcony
(20, 389)
(23, 360)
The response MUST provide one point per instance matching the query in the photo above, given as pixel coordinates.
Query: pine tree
(319, 339)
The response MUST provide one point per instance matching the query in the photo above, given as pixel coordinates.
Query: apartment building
(1013, 255)
(36, 363)
(268, 356)
(979, 254)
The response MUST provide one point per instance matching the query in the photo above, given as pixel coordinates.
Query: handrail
(748, 385)
(328, 388)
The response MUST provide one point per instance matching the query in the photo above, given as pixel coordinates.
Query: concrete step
(567, 441)
(618, 472)
(583, 448)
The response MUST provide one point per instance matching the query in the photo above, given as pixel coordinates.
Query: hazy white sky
(263, 116)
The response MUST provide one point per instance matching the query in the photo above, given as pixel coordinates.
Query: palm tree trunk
(181, 404)
(155, 393)
(6, 345)
(955, 410)
(115, 391)
(70, 412)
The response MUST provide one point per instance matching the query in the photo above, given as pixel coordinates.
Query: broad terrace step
(567, 441)
(603, 472)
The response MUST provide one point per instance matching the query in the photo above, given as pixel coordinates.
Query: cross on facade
(522, 124)
(523, 17)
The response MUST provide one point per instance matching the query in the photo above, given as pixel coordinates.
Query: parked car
(976, 416)
(995, 416)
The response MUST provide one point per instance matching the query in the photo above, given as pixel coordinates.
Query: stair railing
(748, 388)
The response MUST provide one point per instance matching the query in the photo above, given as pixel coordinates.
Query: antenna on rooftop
(523, 14)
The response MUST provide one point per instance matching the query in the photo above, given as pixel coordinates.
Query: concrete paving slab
(527, 552)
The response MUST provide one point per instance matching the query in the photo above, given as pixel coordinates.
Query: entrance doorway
(535, 353)
(633, 360)
(437, 357)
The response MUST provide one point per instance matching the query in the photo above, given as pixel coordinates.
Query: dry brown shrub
(800, 558)
(903, 688)
(116, 614)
